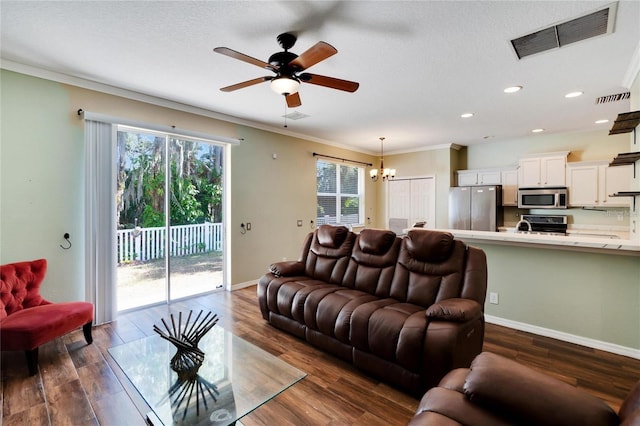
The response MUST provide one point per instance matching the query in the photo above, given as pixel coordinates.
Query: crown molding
(158, 101)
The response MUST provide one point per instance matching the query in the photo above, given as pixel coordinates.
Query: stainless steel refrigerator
(477, 208)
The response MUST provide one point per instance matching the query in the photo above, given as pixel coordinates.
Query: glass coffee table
(235, 378)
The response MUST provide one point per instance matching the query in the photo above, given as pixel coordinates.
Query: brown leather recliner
(406, 310)
(498, 391)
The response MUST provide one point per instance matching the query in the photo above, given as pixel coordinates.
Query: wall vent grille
(613, 98)
(578, 29)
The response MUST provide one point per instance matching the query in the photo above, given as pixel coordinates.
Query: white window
(340, 190)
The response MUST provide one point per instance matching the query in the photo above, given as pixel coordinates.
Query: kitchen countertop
(574, 242)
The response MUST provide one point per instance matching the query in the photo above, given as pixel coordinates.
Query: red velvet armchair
(27, 320)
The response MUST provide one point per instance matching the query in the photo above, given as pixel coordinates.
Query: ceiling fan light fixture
(573, 94)
(285, 85)
(512, 89)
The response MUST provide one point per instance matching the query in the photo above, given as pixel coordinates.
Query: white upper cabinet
(592, 183)
(616, 179)
(509, 180)
(582, 181)
(489, 177)
(543, 170)
(479, 177)
(467, 177)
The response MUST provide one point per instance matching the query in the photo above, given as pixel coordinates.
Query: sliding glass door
(169, 201)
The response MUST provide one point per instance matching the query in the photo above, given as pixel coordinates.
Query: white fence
(143, 244)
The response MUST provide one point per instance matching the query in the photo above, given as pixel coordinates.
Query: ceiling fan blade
(318, 52)
(333, 83)
(293, 100)
(245, 58)
(245, 84)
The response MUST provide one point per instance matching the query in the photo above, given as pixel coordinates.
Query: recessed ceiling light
(537, 130)
(601, 121)
(467, 115)
(513, 89)
(573, 95)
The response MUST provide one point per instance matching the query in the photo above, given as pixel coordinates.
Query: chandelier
(382, 172)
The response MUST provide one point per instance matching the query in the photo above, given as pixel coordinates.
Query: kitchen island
(586, 243)
(580, 289)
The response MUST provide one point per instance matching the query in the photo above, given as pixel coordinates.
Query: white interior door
(411, 201)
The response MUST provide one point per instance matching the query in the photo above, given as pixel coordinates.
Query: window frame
(338, 195)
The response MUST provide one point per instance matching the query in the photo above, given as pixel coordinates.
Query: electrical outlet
(493, 298)
(299, 222)
(248, 226)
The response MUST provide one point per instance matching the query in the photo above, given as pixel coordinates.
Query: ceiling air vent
(559, 35)
(295, 115)
(613, 98)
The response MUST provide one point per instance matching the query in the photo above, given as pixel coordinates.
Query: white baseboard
(571, 338)
(239, 286)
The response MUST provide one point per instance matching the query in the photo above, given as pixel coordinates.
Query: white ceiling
(420, 64)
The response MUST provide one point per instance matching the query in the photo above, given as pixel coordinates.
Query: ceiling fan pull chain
(285, 115)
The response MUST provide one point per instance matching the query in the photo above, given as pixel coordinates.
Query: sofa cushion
(527, 397)
(429, 246)
(332, 236)
(20, 286)
(330, 311)
(425, 283)
(375, 241)
(391, 330)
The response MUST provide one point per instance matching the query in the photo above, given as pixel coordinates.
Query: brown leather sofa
(498, 391)
(404, 309)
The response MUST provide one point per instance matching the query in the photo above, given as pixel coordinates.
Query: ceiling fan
(288, 68)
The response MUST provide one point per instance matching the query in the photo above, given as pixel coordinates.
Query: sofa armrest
(287, 269)
(454, 406)
(458, 310)
(530, 397)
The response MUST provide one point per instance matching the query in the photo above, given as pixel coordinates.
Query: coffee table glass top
(235, 378)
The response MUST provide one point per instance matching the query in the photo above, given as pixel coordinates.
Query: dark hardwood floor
(81, 385)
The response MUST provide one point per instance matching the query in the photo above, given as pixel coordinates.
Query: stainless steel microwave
(543, 198)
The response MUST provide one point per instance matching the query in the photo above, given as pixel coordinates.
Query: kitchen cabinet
(613, 180)
(543, 170)
(591, 184)
(479, 177)
(509, 179)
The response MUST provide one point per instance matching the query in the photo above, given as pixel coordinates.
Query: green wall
(41, 165)
(592, 295)
(583, 146)
(42, 180)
